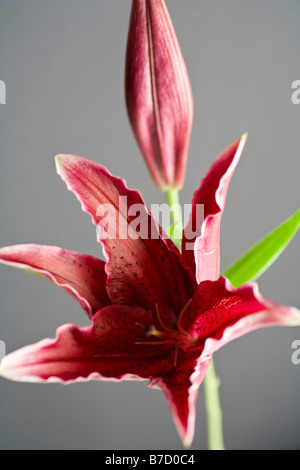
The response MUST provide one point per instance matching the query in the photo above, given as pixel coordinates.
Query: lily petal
(201, 244)
(82, 276)
(181, 387)
(220, 313)
(158, 92)
(99, 352)
(142, 270)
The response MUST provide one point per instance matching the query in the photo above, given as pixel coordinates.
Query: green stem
(215, 439)
(211, 381)
(176, 215)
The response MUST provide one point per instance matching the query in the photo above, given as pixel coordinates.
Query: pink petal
(181, 387)
(220, 313)
(141, 271)
(158, 92)
(82, 276)
(202, 250)
(106, 350)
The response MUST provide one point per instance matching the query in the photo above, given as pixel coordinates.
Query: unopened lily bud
(158, 92)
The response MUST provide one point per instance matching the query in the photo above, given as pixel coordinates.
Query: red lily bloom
(158, 92)
(156, 314)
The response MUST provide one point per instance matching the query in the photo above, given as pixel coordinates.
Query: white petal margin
(196, 379)
(48, 275)
(81, 276)
(272, 315)
(18, 374)
(212, 222)
(10, 365)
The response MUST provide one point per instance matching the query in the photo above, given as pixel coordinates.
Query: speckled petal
(220, 313)
(82, 276)
(106, 350)
(181, 387)
(143, 270)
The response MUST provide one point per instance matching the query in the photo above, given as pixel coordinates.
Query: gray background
(63, 64)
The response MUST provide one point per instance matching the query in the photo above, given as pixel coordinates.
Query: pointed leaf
(256, 261)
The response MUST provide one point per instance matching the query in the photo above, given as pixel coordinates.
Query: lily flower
(158, 92)
(156, 314)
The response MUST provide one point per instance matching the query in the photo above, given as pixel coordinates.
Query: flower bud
(158, 92)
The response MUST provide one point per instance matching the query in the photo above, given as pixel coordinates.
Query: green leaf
(256, 261)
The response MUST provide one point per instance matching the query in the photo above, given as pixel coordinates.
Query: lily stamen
(164, 327)
(168, 335)
(181, 315)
